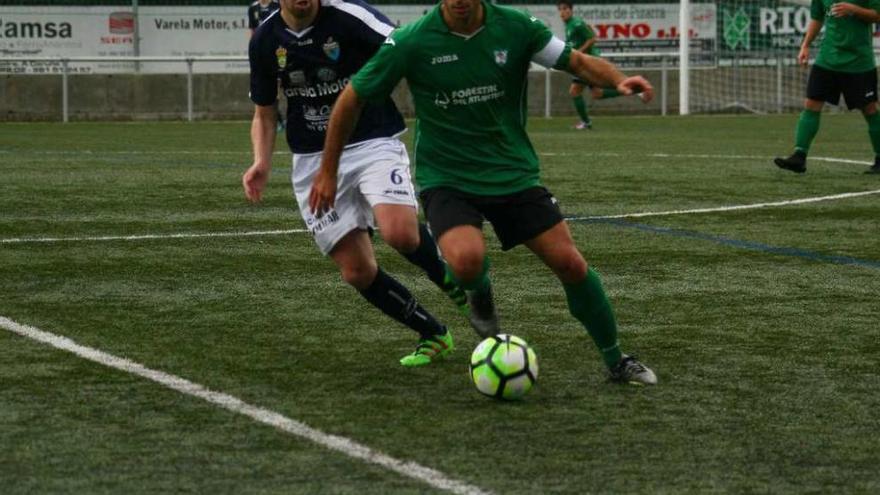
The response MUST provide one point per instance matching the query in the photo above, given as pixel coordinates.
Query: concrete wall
(224, 96)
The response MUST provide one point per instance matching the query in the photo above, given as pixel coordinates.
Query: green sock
(807, 127)
(873, 121)
(610, 93)
(479, 284)
(588, 303)
(581, 106)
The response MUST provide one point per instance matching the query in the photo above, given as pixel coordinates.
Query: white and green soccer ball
(504, 367)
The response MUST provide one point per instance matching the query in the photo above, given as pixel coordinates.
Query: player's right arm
(263, 143)
(264, 92)
(817, 19)
(813, 29)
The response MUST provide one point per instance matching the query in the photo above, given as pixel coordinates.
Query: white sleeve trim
(362, 14)
(550, 53)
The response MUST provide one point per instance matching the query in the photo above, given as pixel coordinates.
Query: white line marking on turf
(706, 156)
(287, 153)
(753, 206)
(131, 152)
(344, 445)
(732, 207)
(151, 236)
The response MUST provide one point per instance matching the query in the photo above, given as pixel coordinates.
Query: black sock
(397, 302)
(427, 257)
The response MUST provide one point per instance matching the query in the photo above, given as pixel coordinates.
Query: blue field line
(727, 241)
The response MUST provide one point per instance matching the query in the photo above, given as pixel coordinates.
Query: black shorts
(516, 218)
(858, 88)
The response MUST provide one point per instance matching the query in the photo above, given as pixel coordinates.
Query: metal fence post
(189, 89)
(778, 84)
(547, 92)
(64, 91)
(664, 79)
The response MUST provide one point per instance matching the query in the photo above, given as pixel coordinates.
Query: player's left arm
(591, 40)
(865, 14)
(604, 74)
(587, 45)
(550, 51)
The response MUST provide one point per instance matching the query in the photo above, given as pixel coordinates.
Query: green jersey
(577, 32)
(848, 43)
(470, 97)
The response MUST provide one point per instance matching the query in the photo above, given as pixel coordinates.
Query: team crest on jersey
(500, 57)
(331, 48)
(442, 100)
(281, 53)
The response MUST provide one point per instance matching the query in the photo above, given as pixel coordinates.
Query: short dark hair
(567, 3)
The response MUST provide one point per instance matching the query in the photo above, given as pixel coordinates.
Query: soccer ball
(504, 367)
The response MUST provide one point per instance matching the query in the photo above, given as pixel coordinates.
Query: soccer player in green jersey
(466, 63)
(845, 65)
(580, 36)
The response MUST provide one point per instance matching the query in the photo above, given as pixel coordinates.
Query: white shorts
(370, 173)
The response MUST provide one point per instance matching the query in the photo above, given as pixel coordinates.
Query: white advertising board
(627, 28)
(109, 31)
(222, 32)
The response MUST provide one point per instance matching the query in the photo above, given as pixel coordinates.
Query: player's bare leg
(576, 91)
(806, 130)
(400, 229)
(588, 303)
(464, 249)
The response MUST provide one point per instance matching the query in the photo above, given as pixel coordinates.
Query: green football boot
(429, 350)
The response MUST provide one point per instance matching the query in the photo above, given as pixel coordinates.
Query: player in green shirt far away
(845, 65)
(466, 63)
(580, 36)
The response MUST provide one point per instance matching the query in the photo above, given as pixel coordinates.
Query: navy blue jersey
(258, 13)
(315, 64)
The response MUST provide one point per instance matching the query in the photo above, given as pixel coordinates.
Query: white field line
(733, 207)
(133, 152)
(753, 206)
(340, 444)
(706, 156)
(19, 240)
(287, 153)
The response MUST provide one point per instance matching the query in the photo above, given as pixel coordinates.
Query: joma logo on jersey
(444, 59)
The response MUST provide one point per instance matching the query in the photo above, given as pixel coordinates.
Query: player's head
(300, 9)
(461, 10)
(564, 7)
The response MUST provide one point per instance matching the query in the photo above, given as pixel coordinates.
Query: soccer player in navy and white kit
(314, 47)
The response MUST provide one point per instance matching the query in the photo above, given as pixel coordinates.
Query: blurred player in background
(579, 36)
(845, 65)
(466, 64)
(259, 11)
(314, 47)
